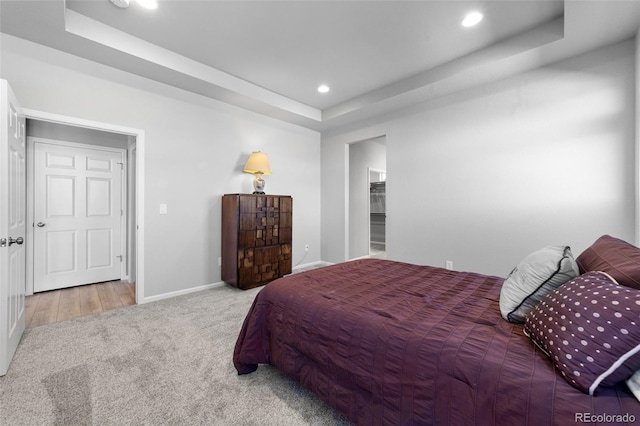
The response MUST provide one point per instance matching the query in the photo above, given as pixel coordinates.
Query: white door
(78, 215)
(12, 225)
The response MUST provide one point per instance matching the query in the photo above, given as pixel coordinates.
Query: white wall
(485, 176)
(195, 148)
(362, 156)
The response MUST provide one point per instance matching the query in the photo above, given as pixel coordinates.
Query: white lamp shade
(258, 163)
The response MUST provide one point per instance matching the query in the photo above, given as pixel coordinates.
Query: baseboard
(367, 256)
(180, 292)
(312, 265)
(169, 295)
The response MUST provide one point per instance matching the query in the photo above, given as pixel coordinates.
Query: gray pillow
(535, 276)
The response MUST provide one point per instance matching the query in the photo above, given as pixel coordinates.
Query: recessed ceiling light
(147, 4)
(472, 19)
(323, 88)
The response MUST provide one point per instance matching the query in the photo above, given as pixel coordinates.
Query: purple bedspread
(391, 343)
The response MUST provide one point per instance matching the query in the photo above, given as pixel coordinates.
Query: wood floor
(59, 305)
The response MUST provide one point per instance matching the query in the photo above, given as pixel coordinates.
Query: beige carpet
(163, 363)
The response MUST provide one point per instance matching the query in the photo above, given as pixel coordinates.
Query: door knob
(17, 241)
(39, 224)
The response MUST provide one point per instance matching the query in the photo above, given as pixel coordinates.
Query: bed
(385, 342)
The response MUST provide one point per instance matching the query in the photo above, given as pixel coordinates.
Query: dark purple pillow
(617, 258)
(589, 327)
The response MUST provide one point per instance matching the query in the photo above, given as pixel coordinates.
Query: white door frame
(31, 200)
(131, 209)
(138, 134)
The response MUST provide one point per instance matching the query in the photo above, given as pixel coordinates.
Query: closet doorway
(367, 159)
(377, 213)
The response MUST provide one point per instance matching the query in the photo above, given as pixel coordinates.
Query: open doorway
(365, 157)
(135, 138)
(104, 269)
(78, 205)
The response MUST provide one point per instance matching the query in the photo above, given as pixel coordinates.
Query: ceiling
(270, 56)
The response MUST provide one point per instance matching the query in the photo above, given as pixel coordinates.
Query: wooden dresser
(256, 238)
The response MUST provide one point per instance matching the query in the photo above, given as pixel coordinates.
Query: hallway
(59, 305)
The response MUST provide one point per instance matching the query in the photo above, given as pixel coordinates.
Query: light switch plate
(163, 209)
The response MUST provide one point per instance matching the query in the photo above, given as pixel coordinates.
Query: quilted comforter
(392, 343)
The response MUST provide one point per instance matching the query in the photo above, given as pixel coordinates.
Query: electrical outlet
(306, 247)
(449, 264)
(219, 261)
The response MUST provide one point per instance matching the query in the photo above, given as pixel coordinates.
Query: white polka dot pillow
(589, 328)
